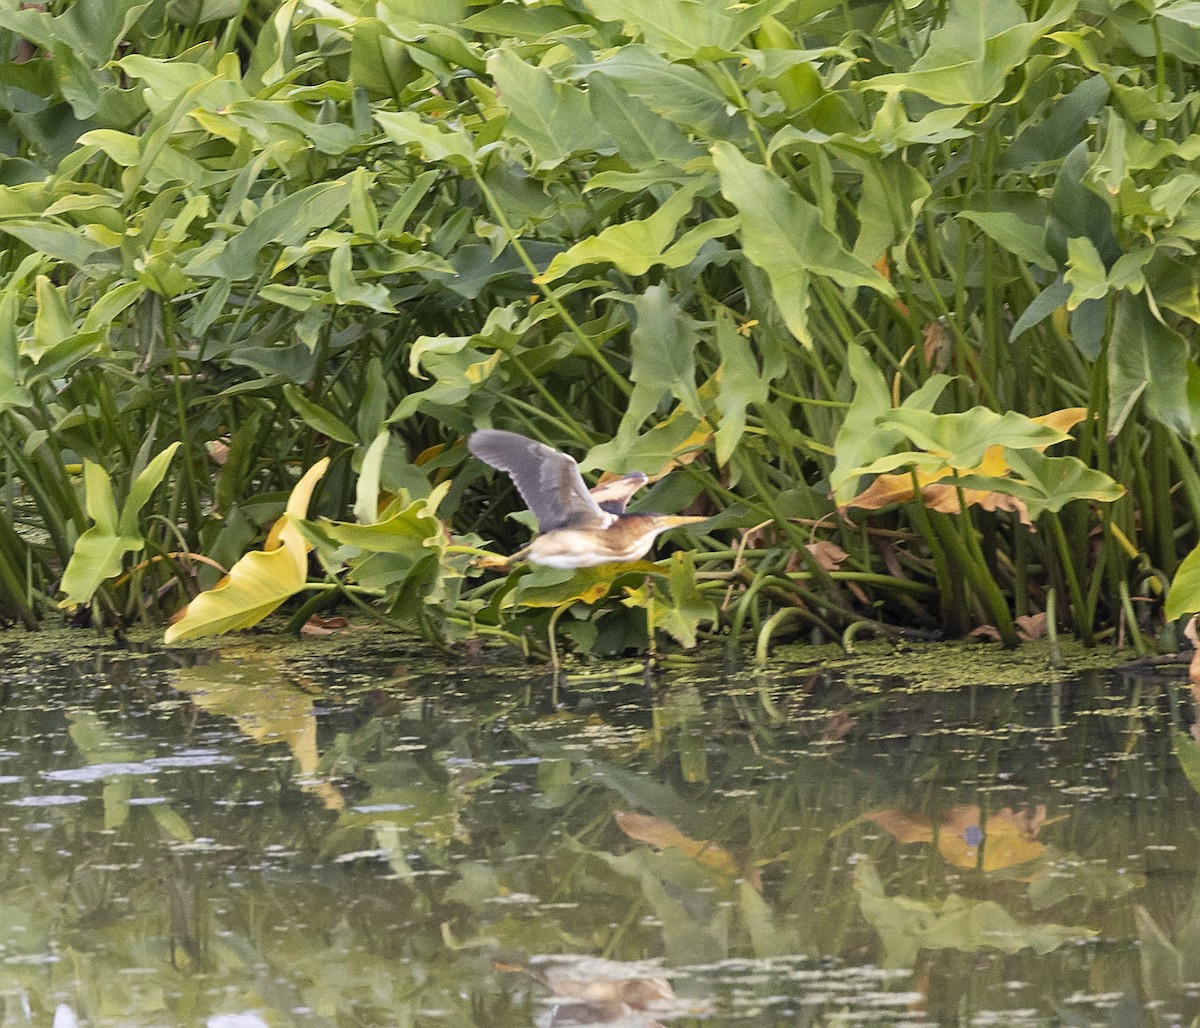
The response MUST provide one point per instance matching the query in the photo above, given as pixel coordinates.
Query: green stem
(1078, 607)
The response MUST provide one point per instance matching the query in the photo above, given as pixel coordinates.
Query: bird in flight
(577, 527)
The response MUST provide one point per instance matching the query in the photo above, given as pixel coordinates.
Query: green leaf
(283, 223)
(143, 488)
(678, 92)
(663, 353)
(1056, 481)
(740, 385)
(686, 607)
(99, 553)
(1184, 594)
(1085, 274)
(317, 417)
(261, 580)
(642, 137)
(680, 28)
(636, 246)
(861, 440)
(436, 143)
(1146, 357)
(970, 56)
(1016, 234)
(782, 234)
(962, 439)
(552, 118)
(64, 244)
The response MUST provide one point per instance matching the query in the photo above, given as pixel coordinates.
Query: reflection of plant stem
(1056, 660)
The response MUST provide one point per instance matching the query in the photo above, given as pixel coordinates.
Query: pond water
(264, 834)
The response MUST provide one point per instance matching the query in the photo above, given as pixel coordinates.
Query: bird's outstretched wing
(549, 482)
(614, 496)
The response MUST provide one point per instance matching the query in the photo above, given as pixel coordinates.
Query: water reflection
(261, 839)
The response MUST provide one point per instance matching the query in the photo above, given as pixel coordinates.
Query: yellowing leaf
(663, 835)
(552, 587)
(940, 492)
(1006, 837)
(260, 581)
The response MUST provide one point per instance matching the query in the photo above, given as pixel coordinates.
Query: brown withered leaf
(1030, 626)
(218, 450)
(828, 555)
(937, 345)
(320, 624)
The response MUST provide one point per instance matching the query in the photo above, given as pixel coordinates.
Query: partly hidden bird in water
(577, 527)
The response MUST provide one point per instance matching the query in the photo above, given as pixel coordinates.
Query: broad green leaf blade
(99, 502)
(317, 417)
(552, 118)
(366, 501)
(633, 246)
(962, 439)
(286, 222)
(436, 143)
(1145, 356)
(782, 233)
(254, 587)
(687, 608)
(143, 488)
(971, 54)
(860, 440)
(1184, 595)
(98, 555)
(740, 385)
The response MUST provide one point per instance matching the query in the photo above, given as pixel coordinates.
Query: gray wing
(614, 496)
(549, 482)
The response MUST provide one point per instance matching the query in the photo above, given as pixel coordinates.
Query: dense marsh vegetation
(905, 293)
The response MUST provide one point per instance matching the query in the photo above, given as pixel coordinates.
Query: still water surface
(297, 835)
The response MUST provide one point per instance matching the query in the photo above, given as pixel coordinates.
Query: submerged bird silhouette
(577, 527)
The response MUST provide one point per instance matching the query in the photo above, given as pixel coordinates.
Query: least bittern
(577, 527)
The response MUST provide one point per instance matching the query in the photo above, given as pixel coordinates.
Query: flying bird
(577, 527)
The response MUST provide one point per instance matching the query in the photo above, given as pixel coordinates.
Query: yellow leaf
(260, 581)
(1007, 837)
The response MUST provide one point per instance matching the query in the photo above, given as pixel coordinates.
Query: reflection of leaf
(662, 835)
(266, 706)
(596, 980)
(261, 580)
(1062, 876)
(1006, 838)
(1187, 752)
(908, 925)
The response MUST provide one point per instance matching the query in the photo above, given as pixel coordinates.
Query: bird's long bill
(667, 521)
